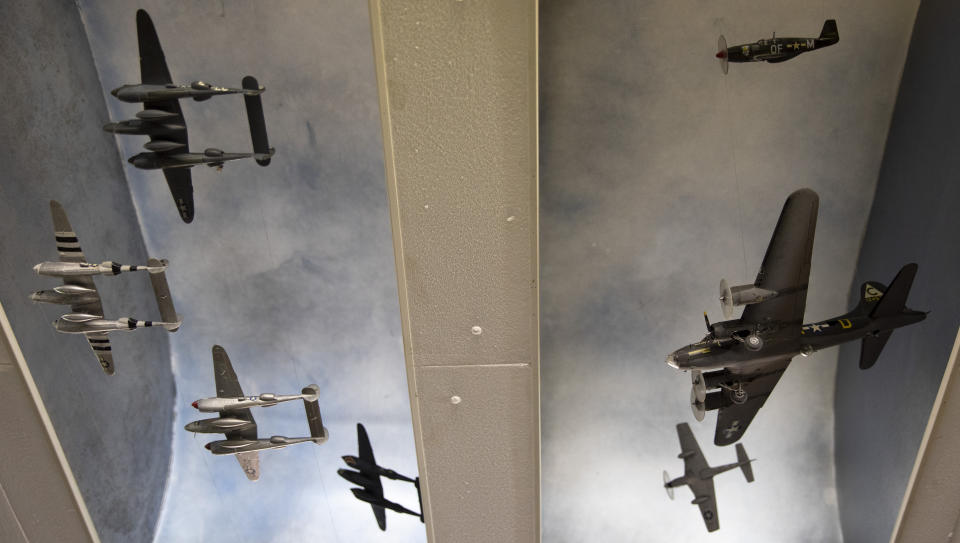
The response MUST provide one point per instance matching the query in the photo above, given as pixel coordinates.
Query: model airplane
(80, 292)
(368, 476)
(776, 49)
(698, 475)
(238, 425)
(751, 353)
(162, 120)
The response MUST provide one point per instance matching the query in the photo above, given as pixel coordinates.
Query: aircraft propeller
(666, 479)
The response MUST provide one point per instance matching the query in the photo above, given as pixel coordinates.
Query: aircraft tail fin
(314, 419)
(894, 300)
(829, 31)
(744, 462)
(870, 294)
(258, 127)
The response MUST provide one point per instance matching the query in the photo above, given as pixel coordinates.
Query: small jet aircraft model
(751, 353)
(162, 120)
(698, 475)
(80, 292)
(368, 476)
(237, 423)
(776, 49)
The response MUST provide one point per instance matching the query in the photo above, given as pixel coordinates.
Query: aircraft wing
(376, 488)
(250, 462)
(693, 460)
(153, 65)
(153, 70)
(786, 265)
(704, 493)
(100, 343)
(68, 246)
(228, 386)
(180, 182)
(733, 419)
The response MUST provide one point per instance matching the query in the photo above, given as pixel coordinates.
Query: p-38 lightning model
(698, 475)
(368, 476)
(162, 120)
(776, 49)
(237, 424)
(80, 292)
(751, 353)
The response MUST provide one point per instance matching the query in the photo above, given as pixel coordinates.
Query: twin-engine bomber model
(237, 424)
(776, 49)
(698, 475)
(751, 353)
(80, 292)
(162, 120)
(368, 476)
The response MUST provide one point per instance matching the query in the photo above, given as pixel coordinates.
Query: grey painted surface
(290, 267)
(115, 430)
(37, 498)
(458, 88)
(881, 413)
(660, 176)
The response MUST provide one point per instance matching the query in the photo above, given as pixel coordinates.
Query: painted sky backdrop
(659, 176)
(290, 267)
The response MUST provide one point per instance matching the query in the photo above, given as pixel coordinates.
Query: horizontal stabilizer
(314, 419)
(895, 298)
(258, 126)
(871, 347)
(161, 290)
(744, 462)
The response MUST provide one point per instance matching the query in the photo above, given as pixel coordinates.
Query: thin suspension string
(736, 181)
(286, 349)
(213, 480)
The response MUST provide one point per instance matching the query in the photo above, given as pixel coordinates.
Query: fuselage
(198, 90)
(214, 405)
(703, 475)
(236, 446)
(219, 425)
(774, 49)
(157, 161)
(80, 323)
(143, 127)
(726, 352)
(74, 269)
(66, 295)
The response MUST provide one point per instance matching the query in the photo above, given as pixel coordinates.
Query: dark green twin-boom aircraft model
(776, 49)
(162, 120)
(740, 361)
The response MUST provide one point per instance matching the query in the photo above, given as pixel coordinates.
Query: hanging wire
(288, 351)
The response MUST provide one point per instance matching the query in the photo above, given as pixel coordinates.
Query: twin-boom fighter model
(80, 292)
(236, 421)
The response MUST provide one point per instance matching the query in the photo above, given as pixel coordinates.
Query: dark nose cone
(207, 446)
(114, 91)
(721, 54)
(194, 404)
(132, 160)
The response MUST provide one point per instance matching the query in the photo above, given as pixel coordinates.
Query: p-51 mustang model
(751, 353)
(698, 475)
(368, 476)
(236, 421)
(80, 292)
(776, 49)
(162, 120)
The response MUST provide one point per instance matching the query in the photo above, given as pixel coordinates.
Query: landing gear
(753, 342)
(738, 394)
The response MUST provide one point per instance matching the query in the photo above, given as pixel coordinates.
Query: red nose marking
(207, 446)
(194, 404)
(722, 54)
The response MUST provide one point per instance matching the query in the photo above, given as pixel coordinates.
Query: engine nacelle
(741, 295)
(213, 152)
(200, 85)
